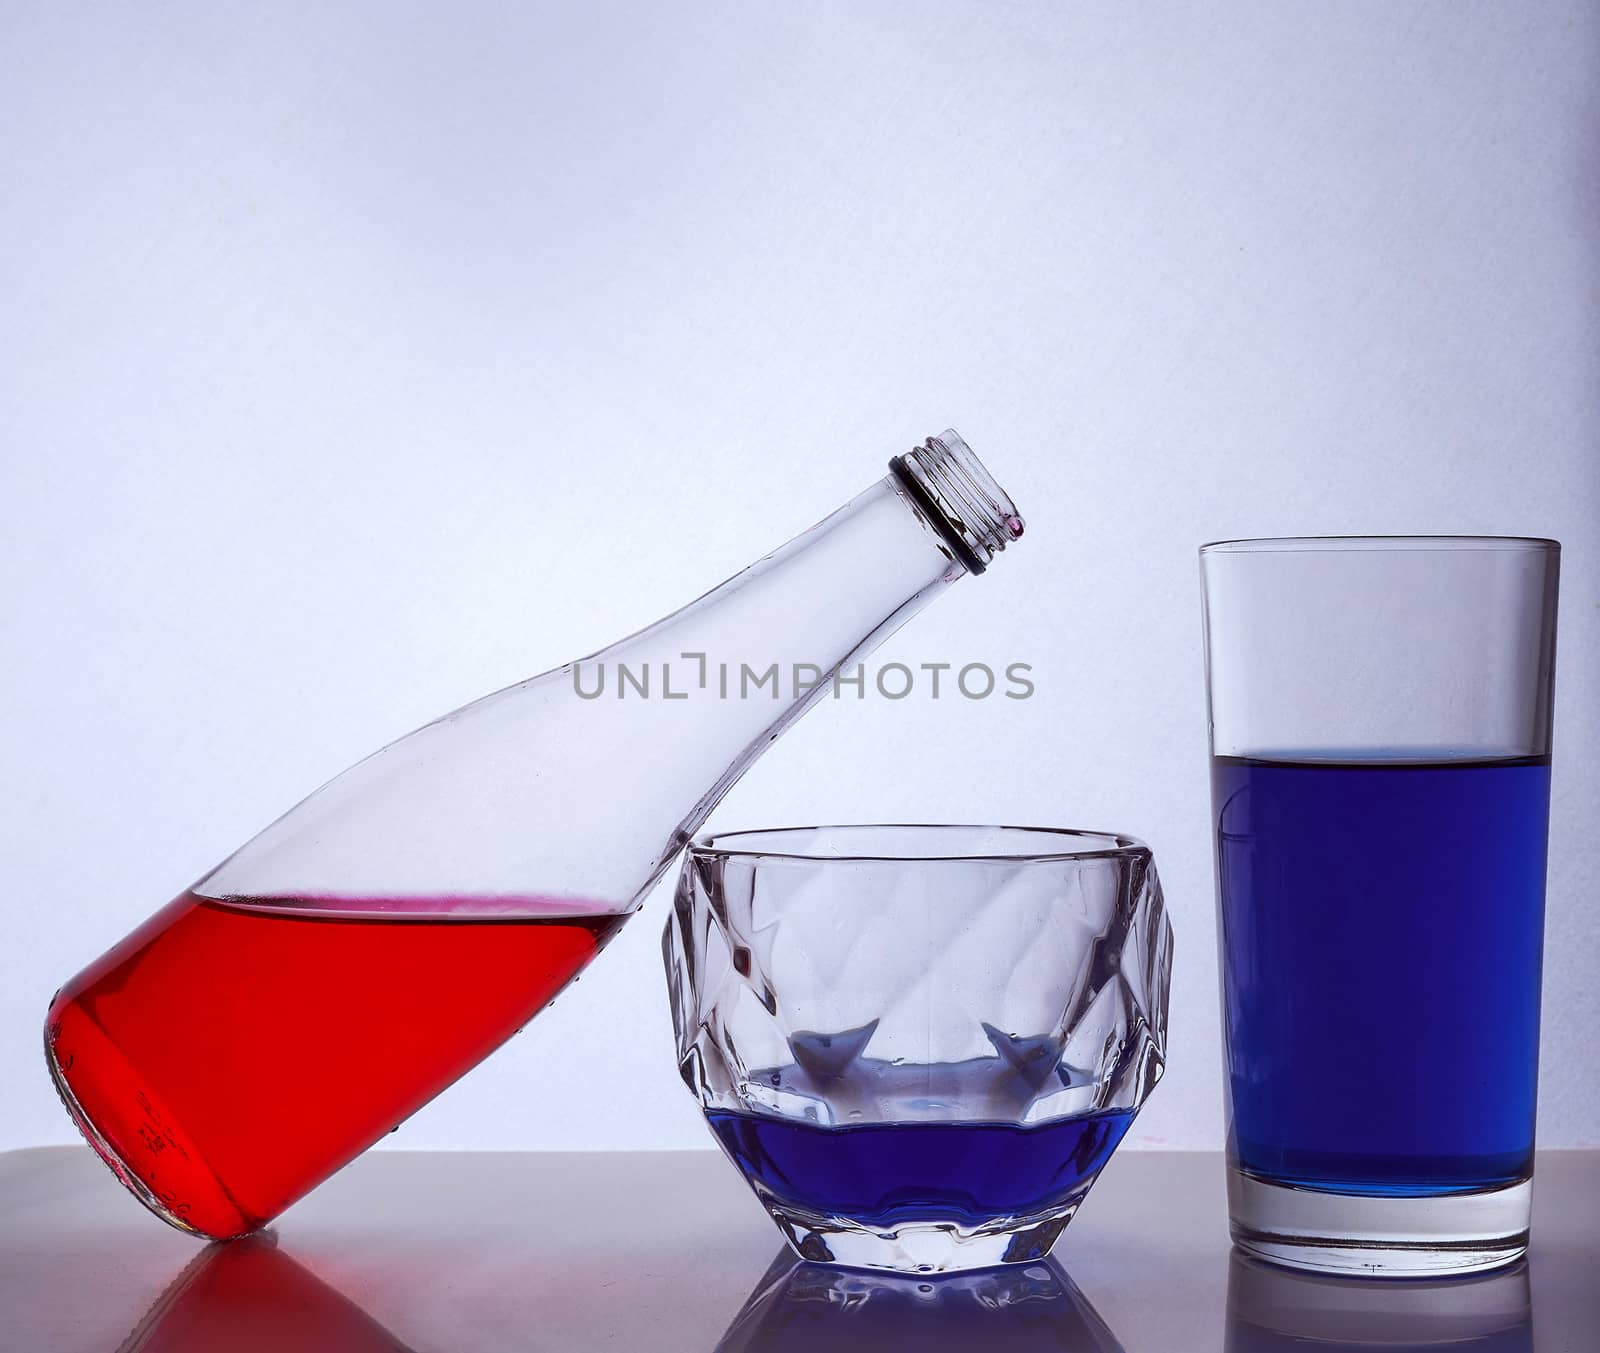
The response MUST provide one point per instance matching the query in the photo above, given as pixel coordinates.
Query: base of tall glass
(1378, 1236)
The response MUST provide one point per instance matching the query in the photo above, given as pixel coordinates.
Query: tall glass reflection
(1275, 1310)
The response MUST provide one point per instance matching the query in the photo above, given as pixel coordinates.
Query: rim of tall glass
(1339, 544)
(1049, 843)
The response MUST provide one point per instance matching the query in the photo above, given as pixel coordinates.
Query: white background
(358, 359)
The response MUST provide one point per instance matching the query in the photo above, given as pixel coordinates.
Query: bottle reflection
(799, 1307)
(1273, 1310)
(250, 1297)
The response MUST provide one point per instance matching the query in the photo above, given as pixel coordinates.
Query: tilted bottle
(380, 939)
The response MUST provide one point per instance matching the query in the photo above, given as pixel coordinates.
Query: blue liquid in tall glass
(884, 1174)
(1381, 928)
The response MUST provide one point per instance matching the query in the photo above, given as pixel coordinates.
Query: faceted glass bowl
(919, 1044)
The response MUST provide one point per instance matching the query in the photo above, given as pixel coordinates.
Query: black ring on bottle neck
(935, 515)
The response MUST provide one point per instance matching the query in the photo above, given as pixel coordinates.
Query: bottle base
(1379, 1236)
(226, 1221)
(107, 1152)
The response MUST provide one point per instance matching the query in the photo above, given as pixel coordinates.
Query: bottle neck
(793, 628)
(839, 588)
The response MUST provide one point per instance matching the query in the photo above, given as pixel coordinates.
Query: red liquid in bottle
(228, 1056)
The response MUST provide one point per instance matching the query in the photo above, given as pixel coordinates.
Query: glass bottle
(375, 943)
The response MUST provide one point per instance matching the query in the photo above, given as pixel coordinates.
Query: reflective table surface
(660, 1252)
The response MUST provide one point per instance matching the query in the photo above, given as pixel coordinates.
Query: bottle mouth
(949, 484)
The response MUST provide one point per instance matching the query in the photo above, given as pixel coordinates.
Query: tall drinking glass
(1380, 734)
